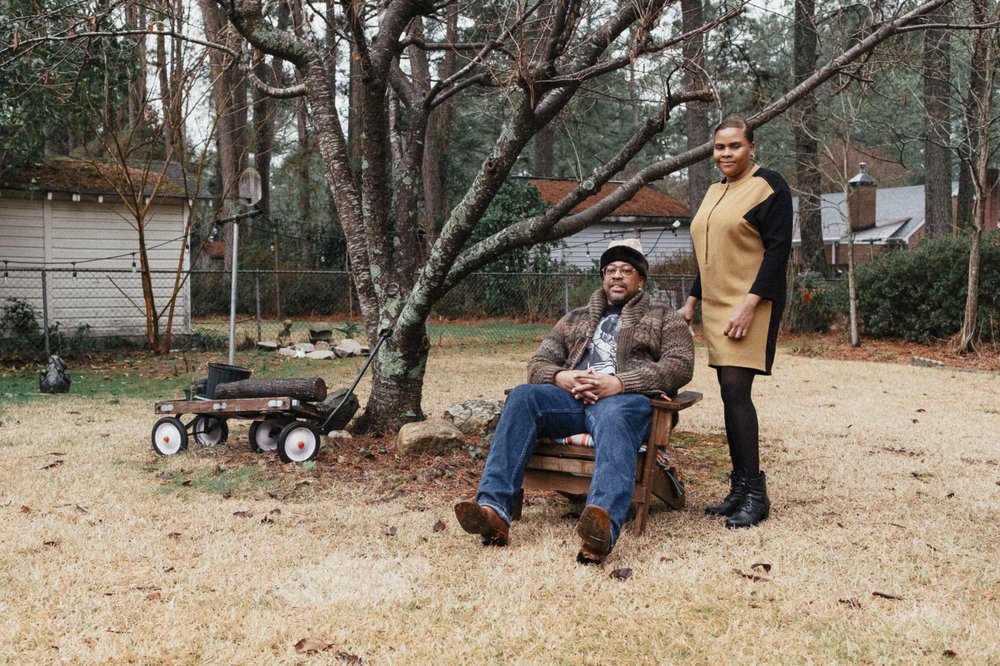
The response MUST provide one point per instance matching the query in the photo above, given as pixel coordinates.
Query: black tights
(741, 418)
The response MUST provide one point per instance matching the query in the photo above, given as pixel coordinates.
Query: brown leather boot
(594, 529)
(478, 519)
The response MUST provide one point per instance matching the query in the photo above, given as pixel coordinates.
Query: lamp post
(249, 191)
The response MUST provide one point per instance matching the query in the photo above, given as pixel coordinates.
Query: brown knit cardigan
(655, 350)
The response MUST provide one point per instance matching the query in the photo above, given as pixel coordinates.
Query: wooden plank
(683, 400)
(543, 480)
(564, 451)
(565, 465)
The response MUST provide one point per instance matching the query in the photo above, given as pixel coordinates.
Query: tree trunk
(980, 115)
(696, 116)
(230, 96)
(937, 128)
(138, 93)
(805, 124)
(439, 126)
(307, 389)
(852, 292)
(397, 382)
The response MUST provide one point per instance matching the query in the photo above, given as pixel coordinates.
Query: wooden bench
(567, 469)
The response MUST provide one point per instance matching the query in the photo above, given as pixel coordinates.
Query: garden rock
(431, 437)
(55, 378)
(345, 414)
(320, 355)
(335, 436)
(348, 347)
(319, 332)
(297, 350)
(266, 345)
(475, 417)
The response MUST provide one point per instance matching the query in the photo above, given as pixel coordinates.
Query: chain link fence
(70, 311)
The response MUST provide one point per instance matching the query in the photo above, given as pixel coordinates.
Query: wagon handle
(382, 336)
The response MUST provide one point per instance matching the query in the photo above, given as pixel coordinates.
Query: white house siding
(21, 240)
(659, 241)
(55, 232)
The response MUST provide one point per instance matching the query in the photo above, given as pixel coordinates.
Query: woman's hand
(739, 323)
(686, 311)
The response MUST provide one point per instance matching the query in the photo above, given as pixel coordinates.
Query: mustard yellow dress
(742, 237)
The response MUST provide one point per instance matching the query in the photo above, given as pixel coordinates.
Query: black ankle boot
(737, 489)
(755, 506)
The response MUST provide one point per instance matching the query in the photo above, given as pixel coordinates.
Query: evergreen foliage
(919, 295)
(51, 92)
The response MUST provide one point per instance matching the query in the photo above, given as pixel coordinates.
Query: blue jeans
(618, 424)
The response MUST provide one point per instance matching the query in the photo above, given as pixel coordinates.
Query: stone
(336, 436)
(475, 417)
(320, 331)
(320, 355)
(323, 345)
(431, 437)
(304, 347)
(345, 413)
(289, 351)
(348, 347)
(265, 345)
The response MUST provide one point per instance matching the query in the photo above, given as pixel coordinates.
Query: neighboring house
(64, 230)
(660, 221)
(885, 219)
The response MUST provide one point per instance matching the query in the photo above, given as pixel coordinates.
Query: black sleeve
(773, 219)
(696, 286)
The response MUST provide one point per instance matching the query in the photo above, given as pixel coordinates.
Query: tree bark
(230, 97)
(980, 115)
(696, 115)
(937, 128)
(806, 129)
(307, 389)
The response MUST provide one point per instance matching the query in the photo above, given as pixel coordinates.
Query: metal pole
(232, 294)
(565, 293)
(257, 290)
(45, 313)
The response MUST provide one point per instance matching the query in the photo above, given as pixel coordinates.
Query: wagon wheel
(210, 430)
(298, 442)
(169, 436)
(264, 434)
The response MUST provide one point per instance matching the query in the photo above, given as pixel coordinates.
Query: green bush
(19, 319)
(919, 295)
(814, 303)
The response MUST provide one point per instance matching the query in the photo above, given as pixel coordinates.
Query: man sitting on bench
(591, 374)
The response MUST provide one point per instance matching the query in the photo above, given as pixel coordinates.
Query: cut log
(307, 389)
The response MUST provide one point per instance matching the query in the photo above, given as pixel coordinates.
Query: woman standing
(742, 236)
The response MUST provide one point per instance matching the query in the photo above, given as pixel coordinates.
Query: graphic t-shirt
(602, 350)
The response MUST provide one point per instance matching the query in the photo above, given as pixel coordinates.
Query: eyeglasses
(624, 271)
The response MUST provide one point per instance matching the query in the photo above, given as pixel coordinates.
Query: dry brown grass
(885, 480)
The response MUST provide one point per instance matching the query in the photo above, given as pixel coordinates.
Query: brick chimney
(861, 200)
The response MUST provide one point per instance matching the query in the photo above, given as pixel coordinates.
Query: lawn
(880, 549)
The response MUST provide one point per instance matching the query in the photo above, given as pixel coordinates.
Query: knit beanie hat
(628, 250)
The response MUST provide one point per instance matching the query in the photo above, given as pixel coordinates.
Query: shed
(66, 235)
(660, 221)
